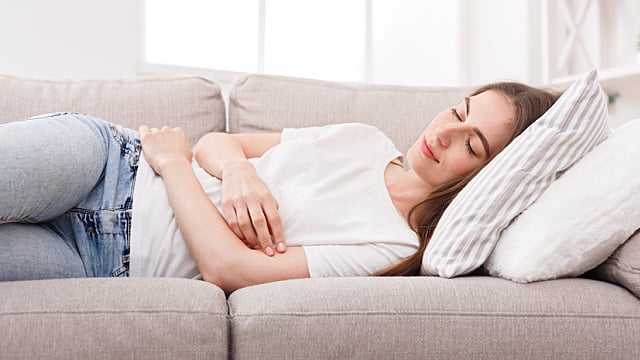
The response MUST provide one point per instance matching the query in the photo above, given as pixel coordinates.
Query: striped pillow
(515, 178)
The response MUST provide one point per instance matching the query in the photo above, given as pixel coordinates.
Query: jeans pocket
(102, 240)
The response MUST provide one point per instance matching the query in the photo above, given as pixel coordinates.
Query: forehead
(491, 112)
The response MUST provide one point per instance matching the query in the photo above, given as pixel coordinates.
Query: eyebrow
(483, 139)
(467, 104)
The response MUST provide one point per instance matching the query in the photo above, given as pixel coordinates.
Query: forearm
(221, 256)
(216, 150)
(210, 241)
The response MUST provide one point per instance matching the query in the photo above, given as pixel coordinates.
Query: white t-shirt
(333, 201)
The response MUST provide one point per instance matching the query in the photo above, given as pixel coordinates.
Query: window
(590, 34)
(213, 34)
(391, 41)
(410, 42)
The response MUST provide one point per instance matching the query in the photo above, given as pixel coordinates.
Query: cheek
(437, 121)
(462, 166)
(412, 156)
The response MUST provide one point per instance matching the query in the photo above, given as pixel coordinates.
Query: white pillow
(582, 217)
(515, 178)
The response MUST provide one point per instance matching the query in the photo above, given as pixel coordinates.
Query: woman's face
(462, 138)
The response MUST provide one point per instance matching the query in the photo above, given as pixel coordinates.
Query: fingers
(232, 220)
(254, 228)
(275, 226)
(164, 147)
(239, 221)
(259, 226)
(144, 129)
(251, 210)
(162, 134)
(246, 227)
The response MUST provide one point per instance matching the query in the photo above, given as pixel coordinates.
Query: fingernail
(280, 247)
(269, 251)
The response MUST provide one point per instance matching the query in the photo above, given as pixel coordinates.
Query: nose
(447, 133)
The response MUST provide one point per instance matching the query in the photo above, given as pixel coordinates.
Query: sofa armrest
(147, 318)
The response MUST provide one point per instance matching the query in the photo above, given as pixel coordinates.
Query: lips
(427, 151)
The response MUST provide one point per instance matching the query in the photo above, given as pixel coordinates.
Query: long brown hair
(529, 104)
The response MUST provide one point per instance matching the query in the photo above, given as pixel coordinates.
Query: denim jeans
(66, 186)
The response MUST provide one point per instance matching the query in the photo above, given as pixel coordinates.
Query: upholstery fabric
(581, 219)
(470, 227)
(113, 318)
(379, 318)
(623, 267)
(263, 103)
(194, 103)
(434, 318)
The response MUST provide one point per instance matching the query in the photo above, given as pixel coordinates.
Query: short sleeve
(350, 130)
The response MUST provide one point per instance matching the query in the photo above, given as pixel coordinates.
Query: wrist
(235, 166)
(173, 164)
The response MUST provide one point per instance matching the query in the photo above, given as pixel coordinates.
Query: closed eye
(454, 112)
(469, 148)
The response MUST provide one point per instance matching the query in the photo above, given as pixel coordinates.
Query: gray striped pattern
(515, 178)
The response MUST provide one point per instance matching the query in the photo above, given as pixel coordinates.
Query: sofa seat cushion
(113, 318)
(191, 102)
(434, 318)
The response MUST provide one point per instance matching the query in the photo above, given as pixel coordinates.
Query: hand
(250, 208)
(164, 147)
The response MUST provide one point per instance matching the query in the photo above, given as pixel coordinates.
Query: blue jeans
(66, 186)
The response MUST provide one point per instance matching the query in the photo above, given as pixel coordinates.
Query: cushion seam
(495, 315)
(115, 312)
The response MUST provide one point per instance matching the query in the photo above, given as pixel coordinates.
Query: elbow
(204, 140)
(214, 275)
(221, 276)
(226, 286)
(213, 278)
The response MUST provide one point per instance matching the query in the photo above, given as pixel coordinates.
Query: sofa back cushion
(193, 103)
(623, 266)
(264, 103)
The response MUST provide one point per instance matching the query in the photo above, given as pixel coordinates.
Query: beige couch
(473, 317)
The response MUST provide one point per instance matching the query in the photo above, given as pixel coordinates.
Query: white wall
(414, 45)
(498, 43)
(76, 38)
(69, 38)
(92, 38)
